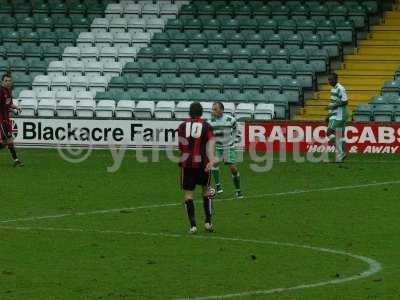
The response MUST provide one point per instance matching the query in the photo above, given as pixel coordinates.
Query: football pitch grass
(75, 231)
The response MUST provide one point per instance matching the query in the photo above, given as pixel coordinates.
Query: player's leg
(231, 161)
(188, 186)
(340, 141)
(205, 180)
(216, 173)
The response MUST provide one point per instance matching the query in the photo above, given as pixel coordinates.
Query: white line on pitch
(278, 194)
(374, 266)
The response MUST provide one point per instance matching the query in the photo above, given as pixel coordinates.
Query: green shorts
(227, 155)
(334, 124)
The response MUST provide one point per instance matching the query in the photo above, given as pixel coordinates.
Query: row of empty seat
(383, 108)
(143, 10)
(318, 58)
(127, 109)
(78, 68)
(118, 40)
(92, 54)
(127, 25)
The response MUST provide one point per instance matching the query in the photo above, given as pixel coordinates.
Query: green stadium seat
(371, 6)
(274, 41)
(40, 9)
(4, 65)
(173, 84)
(134, 83)
(338, 13)
(319, 12)
(325, 27)
(15, 52)
(26, 23)
(306, 26)
(230, 83)
(66, 38)
(280, 102)
(248, 25)
(206, 10)
(261, 11)
(80, 23)
(161, 38)
(269, 84)
(48, 38)
(62, 23)
(43, 23)
(169, 68)
(280, 12)
(292, 90)
(211, 26)
(51, 53)
(211, 83)
(362, 113)
(240, 54)
(174, 25)
(260, 55)
(37, 66)
(95, 10)
(11, 38)
(305, 75)
(104, 95)
(118, 83)
(230, 25)
(18, 67)
(267, 26)
(345, 29)
(8, 23)
(3, 53)
(265, 70)
(293, 41)
(242, 10)
(332, 44)
(378, 100)
(33, 52)
(279, 55)
(22, 10)
(5, 10)
(249, 83)
(213, 96)
(224, 10)
(312, 42)
(178, 38)
(76, 8)
(229, 68)
(186, 67)
(319, 59)
(191, 82)
(21, 82)
(358, 14)
(391, 88)
(57, 9)
(188, 10)
(151, 68)
(298, 11)
(152, 82)
(383, 113)
(29, 38)
(284, 71)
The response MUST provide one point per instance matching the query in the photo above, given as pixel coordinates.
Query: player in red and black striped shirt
(197, 147)
(6, 107)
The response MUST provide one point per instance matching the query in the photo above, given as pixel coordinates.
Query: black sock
(236, 181)
(13, 153)
(207, 208)
(190, 212)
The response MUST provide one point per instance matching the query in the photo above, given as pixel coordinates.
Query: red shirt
(194, 135)
(5, 104)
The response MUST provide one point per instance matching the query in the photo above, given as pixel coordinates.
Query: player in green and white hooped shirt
(337, 117)
(225, 132)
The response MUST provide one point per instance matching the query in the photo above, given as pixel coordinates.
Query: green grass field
(115, 236)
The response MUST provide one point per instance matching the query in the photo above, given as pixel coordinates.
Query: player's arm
(210, 149)
(341, 102)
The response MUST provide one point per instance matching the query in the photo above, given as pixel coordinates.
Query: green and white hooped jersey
(225, 131)
(338, 96)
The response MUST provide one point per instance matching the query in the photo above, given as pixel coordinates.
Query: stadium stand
(260, 57)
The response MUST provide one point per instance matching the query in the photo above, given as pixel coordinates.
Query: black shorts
(191, 177)
(5, 131)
